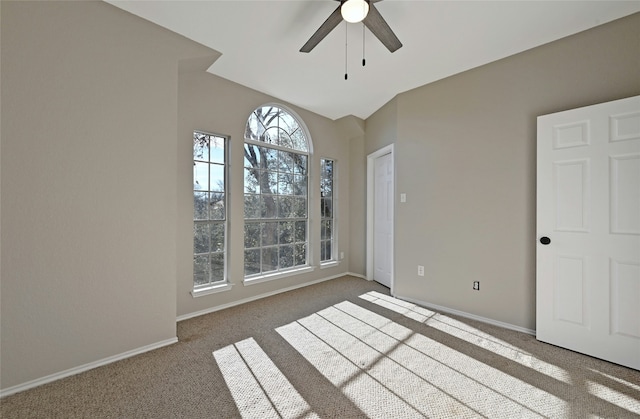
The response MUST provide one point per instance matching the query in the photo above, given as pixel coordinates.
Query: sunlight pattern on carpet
(257, 386)
(389, 370)
(466, 333)
(383, 367)
(605, 393)
(502, 348)
(386, 390)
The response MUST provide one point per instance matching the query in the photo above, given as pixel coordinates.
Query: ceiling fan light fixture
(354, 11)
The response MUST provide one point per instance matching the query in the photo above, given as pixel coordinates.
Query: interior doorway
(380, 219)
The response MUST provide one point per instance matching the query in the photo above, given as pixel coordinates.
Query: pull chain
(346, 26)
(363, 60)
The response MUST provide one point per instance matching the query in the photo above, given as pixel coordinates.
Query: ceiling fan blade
(379, 27)
(332, 21)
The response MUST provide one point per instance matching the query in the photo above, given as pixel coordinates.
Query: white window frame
(223, 284)
(308, 267)
(333, 261)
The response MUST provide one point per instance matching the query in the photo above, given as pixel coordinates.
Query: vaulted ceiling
(260, 42)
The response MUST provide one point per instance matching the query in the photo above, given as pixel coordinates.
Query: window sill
(329, 264)
(278, 275)
(213, 289)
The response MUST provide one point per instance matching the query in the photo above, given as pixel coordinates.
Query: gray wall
(357, 195)
(98, 112)
(353, 129)
(465, 157)
(381, 128)
(89, 192)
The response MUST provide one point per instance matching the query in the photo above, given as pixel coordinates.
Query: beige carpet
(340, 349)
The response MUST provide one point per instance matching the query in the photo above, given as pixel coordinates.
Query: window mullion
(213, 272)
(276, 250)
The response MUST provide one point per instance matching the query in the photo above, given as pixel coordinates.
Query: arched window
(276, 165)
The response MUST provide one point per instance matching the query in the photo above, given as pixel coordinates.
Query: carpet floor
(340, 349)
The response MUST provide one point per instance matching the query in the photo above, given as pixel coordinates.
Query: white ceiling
(260, 41)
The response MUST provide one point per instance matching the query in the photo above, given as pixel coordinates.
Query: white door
(383, 219)
(588, 214)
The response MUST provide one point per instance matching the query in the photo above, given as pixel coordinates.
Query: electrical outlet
(341, 255)
(476, 285)
(420, 270)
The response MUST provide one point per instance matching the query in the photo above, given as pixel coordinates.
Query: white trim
(334, 202)
(310, 181)
(277, 275)
(213, 289)
(298, 119)
(256, 297)
(370, 205)
(86, 367)
(226, 223)
(358, 276)
(469, 315)
(329, 264)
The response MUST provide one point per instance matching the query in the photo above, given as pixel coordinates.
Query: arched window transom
(273, 125)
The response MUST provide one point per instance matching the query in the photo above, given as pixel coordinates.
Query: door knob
(545, 240)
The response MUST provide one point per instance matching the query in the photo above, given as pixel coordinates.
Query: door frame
(371, 158)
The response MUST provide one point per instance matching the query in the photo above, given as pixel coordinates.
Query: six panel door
(588, 230)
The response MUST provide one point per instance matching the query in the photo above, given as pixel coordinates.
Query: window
(276, 157)
(209, 210)
(327, 207)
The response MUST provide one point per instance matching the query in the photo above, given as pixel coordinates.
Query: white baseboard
(357, 275)
(256, 297)
(468, 315)
(82, 368)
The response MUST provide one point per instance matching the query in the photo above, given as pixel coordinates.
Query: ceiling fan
(354, 11)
